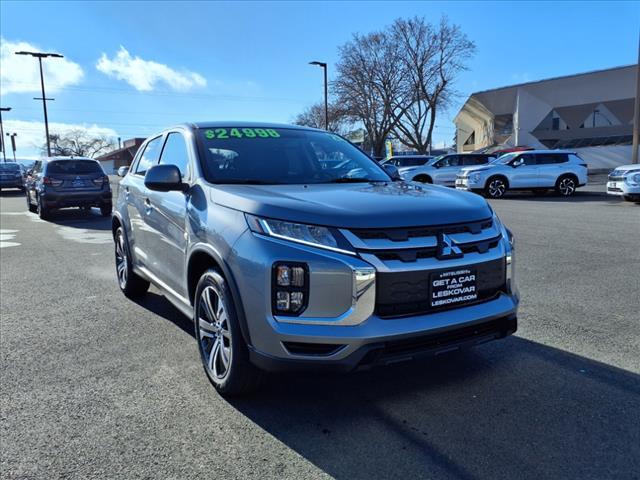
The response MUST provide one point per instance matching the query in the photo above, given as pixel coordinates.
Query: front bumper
(622, 188)
(341, 318)
(468, 185)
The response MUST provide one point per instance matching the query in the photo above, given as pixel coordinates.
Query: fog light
(283, 276)
(282, 301)
(290, 288)
(297, 301)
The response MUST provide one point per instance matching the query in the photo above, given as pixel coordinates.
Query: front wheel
(496, 187)
(224, 354)
(30, 206)
(566, 186)
(131, 284)
(43, 212)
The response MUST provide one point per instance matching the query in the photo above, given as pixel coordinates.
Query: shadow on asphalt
(78, 218)
(513, 409)
(578, 197)
(11, 193)
(509, 409)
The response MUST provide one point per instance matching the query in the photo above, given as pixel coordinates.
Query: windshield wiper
(244, 181)
(352, 180)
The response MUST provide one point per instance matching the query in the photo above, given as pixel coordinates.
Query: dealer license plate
(453, 287)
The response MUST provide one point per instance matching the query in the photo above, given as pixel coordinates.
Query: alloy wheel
(121, 261)
(214, 333)
(567, 186)
(497, 188)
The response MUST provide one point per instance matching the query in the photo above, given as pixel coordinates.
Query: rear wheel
(423, 179)
(105, 210)
(30, 206)
(131, 284)
(496, 187)
(43, 211)
(224, 354)
(566, 185)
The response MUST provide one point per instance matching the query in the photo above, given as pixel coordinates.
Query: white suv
(443, 170)
(625, 181)
(535, 170)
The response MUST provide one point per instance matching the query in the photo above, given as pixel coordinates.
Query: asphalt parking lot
(96, 386)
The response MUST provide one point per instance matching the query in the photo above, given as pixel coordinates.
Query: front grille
(413, 254)
(312, 349)
(404, 234)
(614, 189)
(616, 178)
(409, 292)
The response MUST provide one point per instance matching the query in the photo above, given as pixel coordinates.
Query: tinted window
(37, 167)
(473, 160)
(529, 159)
(150, 156)
(175, 153)
(450, 161)
(550, 158)
(73, 167)
(9, 167)
(283, 156)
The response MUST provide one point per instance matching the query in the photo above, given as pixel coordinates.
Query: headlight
(312, 235)
(632, 179)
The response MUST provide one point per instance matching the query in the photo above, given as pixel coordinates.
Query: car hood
(623, 169)
(358, 205)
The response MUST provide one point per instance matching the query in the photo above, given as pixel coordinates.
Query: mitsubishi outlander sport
(285, 261)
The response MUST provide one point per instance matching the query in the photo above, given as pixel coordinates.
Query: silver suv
(444, 169)
(285, 261)
(535, 170)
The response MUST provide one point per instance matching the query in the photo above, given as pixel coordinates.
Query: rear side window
(73, 167)
(551, 158)
(473, 160)
(150, 156)
(175, 153)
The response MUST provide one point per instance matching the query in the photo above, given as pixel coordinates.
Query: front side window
(150, 156)
(175, 153)
(283, 156)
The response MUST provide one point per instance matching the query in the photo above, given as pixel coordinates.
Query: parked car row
(624, 181)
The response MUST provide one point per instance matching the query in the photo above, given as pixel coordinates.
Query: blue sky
(166, 62)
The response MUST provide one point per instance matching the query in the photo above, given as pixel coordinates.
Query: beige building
(591, 113)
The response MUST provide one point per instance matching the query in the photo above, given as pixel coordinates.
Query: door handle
(126, 193)
(147, 205)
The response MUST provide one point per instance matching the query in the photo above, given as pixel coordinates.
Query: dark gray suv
(287, 259)
(61, 182)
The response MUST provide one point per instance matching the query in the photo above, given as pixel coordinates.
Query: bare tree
(431, 58)
(313, 116)
(369, 84)
(78, 143)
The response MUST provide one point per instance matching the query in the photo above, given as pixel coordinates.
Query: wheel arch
(202, 258)
(424, 176)
(568, 174)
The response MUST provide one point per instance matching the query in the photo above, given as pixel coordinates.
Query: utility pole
(326, 91)
(636, 113)
(13, 144)
(2, 143)
(40, 56)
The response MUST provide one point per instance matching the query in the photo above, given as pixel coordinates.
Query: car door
(524, 172)
(550, 167)
(447, 171)
(166, 218)
(135, 194)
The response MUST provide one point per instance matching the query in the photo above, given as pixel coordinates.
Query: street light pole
(326, 100)
(13, 143)
(2, 142)
(40, 56)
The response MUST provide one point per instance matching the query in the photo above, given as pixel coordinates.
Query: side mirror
(164, 178)
(392, 171)
(517, 163)
(122, 171)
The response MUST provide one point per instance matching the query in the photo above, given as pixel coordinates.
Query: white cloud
(31, 135)
(144, 75)
(20, 73)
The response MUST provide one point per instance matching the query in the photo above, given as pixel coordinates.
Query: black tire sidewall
(135, 286)
(487, 187)
(232, 383)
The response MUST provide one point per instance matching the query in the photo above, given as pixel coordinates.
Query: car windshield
(247, 155)
(506, 158)
(9, 167)
(73, 167)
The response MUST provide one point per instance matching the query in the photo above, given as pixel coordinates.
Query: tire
(43, 212)
(31, 207)
(566, 185)
(496, 187)
(105, 210)
(223, 352)
(131, 284)
(423, 179)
